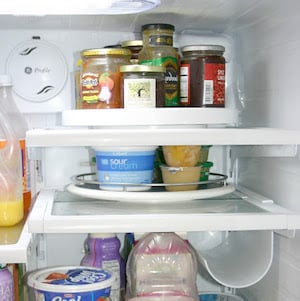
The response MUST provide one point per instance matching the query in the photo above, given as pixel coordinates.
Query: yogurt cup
(69, 283)
(119, 166)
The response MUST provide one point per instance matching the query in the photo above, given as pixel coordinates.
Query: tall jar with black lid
(158, 50)
(202, 76)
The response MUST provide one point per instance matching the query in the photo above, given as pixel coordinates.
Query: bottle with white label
(104, 252)
(6, 284)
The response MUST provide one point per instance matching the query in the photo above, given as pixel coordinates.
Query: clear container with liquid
(11, 188)
(161, 266)
(19, 125)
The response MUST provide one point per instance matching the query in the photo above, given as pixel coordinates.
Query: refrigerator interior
(262, 54)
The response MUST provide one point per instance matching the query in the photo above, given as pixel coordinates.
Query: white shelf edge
(189, 135)
(149, 116)
(18, 252)
(42, 221)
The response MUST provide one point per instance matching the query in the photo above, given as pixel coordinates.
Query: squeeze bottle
(11, 198)
(104, 252)
(6, 284)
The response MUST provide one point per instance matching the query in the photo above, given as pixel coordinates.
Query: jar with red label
(100, 77)
(202, 76)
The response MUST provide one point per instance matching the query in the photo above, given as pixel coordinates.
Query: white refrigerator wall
(269, 51)
(263, 53)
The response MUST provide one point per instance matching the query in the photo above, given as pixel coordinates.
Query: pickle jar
(135, 46)
(142, 86)
(158, 50)
(100, 77)
(202, 76)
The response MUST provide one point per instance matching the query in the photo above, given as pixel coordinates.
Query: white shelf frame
(18, 252)
(41, 219)
(163, 135)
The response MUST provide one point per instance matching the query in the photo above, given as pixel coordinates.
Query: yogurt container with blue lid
(71, 284)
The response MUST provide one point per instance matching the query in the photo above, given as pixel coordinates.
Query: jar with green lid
(135, 46)
(202, 76)
(158, 50)
(100, 77)
(142, 86)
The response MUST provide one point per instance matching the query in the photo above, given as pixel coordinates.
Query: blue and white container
(125, 165)
(71, 283)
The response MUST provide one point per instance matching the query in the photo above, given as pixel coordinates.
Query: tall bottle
(19, 126)
(103, 251)
(158, 50)
(11, 198)
(6, 284)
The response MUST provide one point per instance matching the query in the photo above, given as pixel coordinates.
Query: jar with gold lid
(158, 50)
(100, 77)
(202, 76)
(135, 46)
(142, 86)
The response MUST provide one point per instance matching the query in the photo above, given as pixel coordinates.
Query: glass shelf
(58, 211)
(14, 243)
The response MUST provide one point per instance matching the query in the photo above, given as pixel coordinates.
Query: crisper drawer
(59, 211)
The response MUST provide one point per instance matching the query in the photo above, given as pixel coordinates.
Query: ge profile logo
(28, 70)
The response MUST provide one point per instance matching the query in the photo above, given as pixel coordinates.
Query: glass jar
(100, 77)
(202, 76)
(142, 86)
(158, 50)
(135, 46)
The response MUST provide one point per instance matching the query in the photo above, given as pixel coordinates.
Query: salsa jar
(202, 76)
(158, 50)
(142, 86)
(100, 77)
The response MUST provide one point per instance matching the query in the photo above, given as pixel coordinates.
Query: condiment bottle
(158, 50)
(202, 76)
(11, 197)
(6, 284)
(19, 126)
(103, 251)
(100, 77)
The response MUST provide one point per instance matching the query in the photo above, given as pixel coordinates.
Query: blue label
(80, 276)
(125, 163)
(208, 297)
(82, 296)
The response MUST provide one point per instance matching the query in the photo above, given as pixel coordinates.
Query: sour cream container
(119, 168)
(71, 283)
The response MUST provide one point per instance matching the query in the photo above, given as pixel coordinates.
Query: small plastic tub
(180, 175)
(204, 153)
(64, 283)
(205, 168)
(181, 155)
(131, 165)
